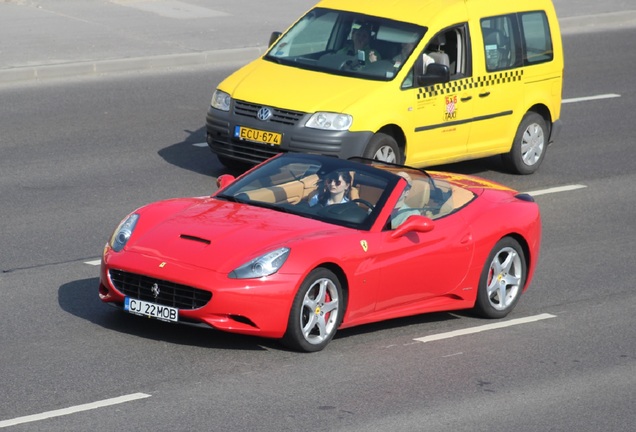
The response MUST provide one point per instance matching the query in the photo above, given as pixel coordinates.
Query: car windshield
(347, 43)
(332, 190)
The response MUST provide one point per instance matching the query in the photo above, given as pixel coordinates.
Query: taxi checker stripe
(469, 83)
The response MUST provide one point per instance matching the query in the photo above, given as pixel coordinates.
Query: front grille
(170, 294)
(286, 117)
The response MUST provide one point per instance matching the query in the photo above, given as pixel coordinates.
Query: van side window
(517, 39)
(451, 48)
(501, 45)
(536, 38)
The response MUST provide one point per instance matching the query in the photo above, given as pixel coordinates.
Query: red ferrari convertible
(303, 245)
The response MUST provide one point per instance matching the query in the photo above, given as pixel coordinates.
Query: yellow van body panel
(475, 114)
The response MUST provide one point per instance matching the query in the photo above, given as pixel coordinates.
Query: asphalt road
(76, 156)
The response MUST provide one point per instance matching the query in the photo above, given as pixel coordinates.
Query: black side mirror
(435, 73)
(274, 37)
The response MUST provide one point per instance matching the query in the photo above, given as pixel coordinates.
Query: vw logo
(264, 113)
(154, 289)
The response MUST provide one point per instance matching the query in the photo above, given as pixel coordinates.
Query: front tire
(502, 279)
(384, 148)
(529, 146)
(316, 312)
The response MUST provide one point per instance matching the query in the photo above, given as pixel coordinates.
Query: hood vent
(195, 238)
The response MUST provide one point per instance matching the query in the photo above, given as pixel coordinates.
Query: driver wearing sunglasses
(336, 189)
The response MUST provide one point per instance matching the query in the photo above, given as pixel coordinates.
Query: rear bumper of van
(221, 127)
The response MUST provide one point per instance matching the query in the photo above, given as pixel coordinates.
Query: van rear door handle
(466, 99)
(484, 94)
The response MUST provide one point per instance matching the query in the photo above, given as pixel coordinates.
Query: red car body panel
(199, 241)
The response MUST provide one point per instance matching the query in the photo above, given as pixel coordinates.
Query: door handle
(482, 95)
(466, 99)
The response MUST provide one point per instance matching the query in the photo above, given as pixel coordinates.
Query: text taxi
(421, 82)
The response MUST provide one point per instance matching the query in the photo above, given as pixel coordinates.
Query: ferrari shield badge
(364, 245)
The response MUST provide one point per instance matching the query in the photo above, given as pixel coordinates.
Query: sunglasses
(337, 182)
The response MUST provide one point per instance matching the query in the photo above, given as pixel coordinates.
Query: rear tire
(529, 146)
(502, 279)
(384, 148)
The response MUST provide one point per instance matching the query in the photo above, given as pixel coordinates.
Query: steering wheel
(363, 202)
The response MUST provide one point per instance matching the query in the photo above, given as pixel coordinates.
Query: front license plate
(256, 135)
(151, 310)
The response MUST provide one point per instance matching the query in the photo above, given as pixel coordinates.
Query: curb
(135, 64)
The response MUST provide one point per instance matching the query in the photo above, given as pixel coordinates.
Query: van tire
(529, 146)
(384, 148)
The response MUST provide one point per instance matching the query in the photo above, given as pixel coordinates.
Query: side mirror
(224, 180)
(435, 74)
(414, 223)
(274, 37)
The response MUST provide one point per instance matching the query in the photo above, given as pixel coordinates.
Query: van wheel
(529, 146)
(384, 148)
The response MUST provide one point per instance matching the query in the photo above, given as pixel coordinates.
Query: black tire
(502, 279)
(384, 148)
(316, 312)
(529, 146)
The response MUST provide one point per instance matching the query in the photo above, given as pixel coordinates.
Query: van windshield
(347, 43)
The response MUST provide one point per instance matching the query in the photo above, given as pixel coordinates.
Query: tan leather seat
(419, 194)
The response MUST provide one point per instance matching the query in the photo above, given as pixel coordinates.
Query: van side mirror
(274, 37)
(435, 73)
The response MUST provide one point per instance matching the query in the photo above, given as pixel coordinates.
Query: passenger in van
(404, 53)
(402, 211)
(361, 41)
(336, 190)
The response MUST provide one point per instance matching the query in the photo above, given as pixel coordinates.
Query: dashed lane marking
(556, 189)
(591, 98)
(72, 410)
(484, 328)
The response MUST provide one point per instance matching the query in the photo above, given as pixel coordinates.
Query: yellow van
(421, 82)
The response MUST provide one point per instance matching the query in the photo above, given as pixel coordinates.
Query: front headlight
(264, 265)
(330, 121)
(123, 232)
(220, 100)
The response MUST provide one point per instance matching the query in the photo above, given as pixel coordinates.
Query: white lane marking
(200, 144)
(556, 189)
(589, 98)
(484, 328)
(93, 262)
(73, 409)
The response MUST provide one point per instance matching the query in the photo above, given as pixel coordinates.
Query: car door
(501, 84)
(421, 266)
(441, 114)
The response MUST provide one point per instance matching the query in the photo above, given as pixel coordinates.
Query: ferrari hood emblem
(364, 245)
